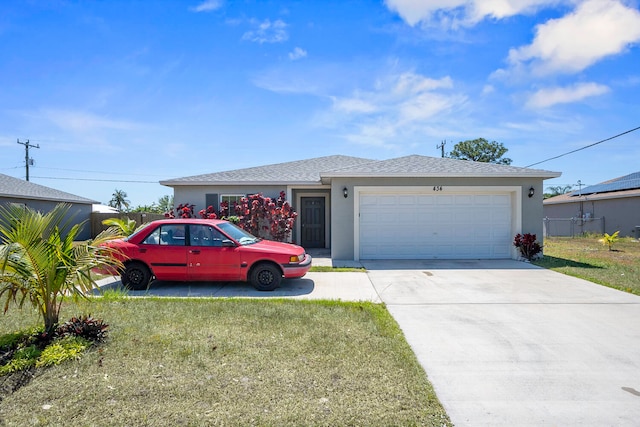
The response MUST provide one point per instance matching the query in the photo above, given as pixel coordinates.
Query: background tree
(165, 203)
(119, 200)
(480, 150)
(41, 263)
(557, 190)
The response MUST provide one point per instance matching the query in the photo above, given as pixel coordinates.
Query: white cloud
(207, 6)
(564, 95)
(297, 53)
(83, 122)
(452, 13)
(267, 32)
(399, 106)
(595, 30)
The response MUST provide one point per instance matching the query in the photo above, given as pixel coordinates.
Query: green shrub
(68, 348)
(22, 359)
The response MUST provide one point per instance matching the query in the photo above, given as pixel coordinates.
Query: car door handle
(195, 251)
(142, 250)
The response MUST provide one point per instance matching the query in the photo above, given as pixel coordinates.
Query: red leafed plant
(261, 216)
(266, 217)
(527, 245)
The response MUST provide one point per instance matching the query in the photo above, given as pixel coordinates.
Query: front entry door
(312, 222)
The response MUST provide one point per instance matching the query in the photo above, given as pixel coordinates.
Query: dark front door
(312, 222)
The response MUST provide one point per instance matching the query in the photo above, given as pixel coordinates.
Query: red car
(206, 250)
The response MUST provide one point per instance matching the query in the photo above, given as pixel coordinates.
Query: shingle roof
(20, 189)
(296, 172)
(313, 170)
(423, 166)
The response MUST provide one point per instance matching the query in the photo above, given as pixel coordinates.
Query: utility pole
(441, 146)
(26, 155)
(579, 188)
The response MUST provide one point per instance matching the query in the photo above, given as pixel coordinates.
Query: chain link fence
(571, 227)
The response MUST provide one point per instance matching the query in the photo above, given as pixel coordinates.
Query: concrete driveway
(507, 343)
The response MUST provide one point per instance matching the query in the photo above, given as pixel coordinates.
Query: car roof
(187, 221)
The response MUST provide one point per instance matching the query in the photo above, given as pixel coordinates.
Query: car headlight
(296, 258)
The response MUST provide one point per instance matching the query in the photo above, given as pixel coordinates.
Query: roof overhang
(326, 177)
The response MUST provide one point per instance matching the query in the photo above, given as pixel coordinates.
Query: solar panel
(628, 182)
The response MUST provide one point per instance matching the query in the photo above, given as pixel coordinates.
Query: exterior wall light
(345, 192)
(532, 191)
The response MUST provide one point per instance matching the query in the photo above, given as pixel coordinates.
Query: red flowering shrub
(527, 245)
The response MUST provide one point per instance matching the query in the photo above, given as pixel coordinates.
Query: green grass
(231, 362)
(325, 269)
(587, 258)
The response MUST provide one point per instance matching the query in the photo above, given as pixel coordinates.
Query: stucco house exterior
(412, 207)
(607, 207)
(43, 199)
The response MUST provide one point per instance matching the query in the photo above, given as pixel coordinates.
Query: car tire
(265, 277)
(136, 276)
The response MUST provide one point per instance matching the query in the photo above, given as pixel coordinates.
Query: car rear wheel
(265, 277)
(136, 276)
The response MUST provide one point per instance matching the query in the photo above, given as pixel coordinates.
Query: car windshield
(237, 233)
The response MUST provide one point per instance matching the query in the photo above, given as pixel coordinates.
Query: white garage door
(435, 226)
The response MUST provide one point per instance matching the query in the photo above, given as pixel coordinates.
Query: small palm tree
(609, 239)
(119, 200)
(40, 262)
(126, 226)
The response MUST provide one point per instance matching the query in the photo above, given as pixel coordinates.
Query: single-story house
(43, 199)
(610, 206)
(412, 207)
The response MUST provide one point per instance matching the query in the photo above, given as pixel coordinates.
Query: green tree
(165, 203)
(480, 150)
(119, 200)
(40, 262)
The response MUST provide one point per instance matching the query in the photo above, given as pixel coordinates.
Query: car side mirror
(226, 243)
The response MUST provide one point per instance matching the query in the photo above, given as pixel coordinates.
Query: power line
(586, 146)
(97, 180)
(95, 171)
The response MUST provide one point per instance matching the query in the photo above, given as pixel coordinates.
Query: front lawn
(230, 362)
(587, 258)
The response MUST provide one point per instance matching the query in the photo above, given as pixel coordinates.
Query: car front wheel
(265, 277)
(136, 276)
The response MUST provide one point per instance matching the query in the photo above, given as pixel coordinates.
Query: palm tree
(126, 226)
(40, 262)
(119, 200)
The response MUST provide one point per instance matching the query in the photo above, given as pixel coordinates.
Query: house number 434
(437, 188)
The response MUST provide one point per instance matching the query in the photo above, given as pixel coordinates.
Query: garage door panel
(435, 226)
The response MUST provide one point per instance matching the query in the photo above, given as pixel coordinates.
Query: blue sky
(123, 94)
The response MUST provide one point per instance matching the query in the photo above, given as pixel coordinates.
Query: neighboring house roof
(296, 172)
(100, 208)
(617, 188)
(311, 171)
(20, 189)
(423, 166)
(627, 182)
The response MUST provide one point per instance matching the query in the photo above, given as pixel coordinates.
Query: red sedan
(206, 250)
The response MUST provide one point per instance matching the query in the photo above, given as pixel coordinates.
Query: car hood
(271, 246)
